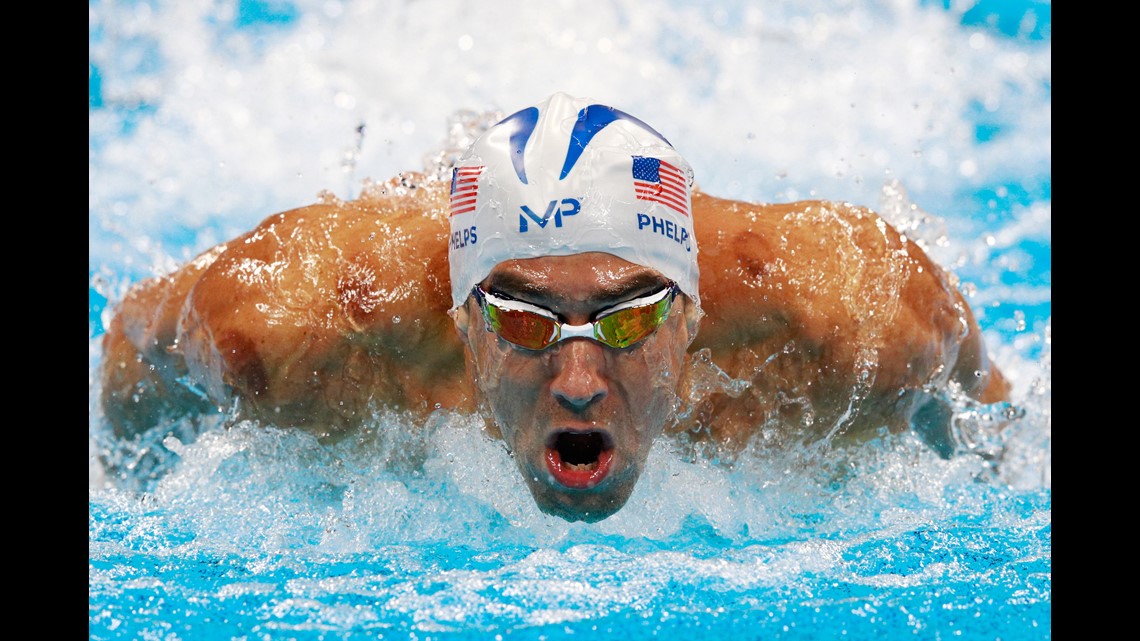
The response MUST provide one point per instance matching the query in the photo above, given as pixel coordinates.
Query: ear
(693, 316)
(462, 320)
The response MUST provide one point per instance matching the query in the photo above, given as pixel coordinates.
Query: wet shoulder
(808, 269)
(351, 263)
(339, 291)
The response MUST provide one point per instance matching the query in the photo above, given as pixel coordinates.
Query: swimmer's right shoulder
(402, 200)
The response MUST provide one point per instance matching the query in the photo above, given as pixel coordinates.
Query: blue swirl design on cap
(591, 120)
(522, 125)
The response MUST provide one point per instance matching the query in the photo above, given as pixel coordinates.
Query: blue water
(205, 117)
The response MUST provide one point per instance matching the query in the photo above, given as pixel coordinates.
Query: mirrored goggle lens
(628, 326)
(525, 329)
(621, 328)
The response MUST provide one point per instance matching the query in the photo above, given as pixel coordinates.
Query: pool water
(206, 117)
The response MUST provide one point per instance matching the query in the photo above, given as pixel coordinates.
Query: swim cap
(569, 176)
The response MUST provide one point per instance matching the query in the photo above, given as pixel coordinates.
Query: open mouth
(579, 460)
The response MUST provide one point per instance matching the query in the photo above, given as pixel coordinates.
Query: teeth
(580, 467)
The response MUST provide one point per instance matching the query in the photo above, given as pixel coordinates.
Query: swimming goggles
(532, 327)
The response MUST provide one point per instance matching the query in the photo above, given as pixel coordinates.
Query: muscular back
(321, 314)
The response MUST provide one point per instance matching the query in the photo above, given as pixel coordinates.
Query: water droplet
(1019, 320)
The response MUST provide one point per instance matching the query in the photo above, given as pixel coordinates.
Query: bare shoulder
(821, 264)
(814, 265)
(322, 312)
(364, 261)
(312, 318)
(826, 304)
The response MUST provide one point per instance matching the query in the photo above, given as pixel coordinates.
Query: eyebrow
(517, 286)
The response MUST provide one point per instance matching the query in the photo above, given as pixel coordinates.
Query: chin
(576, 505)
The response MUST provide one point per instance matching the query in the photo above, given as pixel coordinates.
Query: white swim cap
(568, 176)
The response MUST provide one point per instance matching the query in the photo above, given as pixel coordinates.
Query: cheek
(666, 364)
(506, 379)
(654, 375)
(489, 360)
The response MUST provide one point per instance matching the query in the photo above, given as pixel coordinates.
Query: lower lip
(578, 479)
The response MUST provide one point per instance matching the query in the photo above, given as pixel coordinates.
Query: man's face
(579, 416)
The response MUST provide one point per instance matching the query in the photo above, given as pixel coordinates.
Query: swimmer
(554, 285)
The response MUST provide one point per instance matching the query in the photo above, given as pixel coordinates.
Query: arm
(839, 324)
(142, 371)
(313, 319)
(324, 314)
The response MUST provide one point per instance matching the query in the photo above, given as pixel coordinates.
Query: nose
(578, 373)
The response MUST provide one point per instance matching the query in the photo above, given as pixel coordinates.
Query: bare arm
(312, 319)
(143, 373)
(839, 323)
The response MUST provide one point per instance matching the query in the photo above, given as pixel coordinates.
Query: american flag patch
(657, 181)
(464, 188)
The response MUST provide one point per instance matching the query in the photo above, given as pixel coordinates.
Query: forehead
(579, 277)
